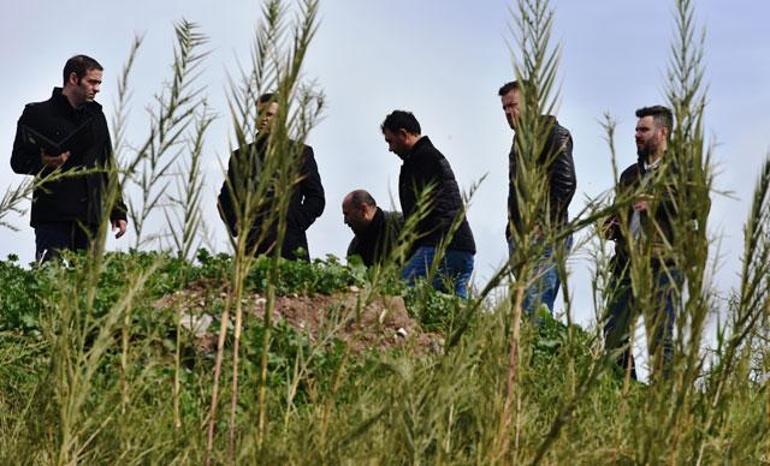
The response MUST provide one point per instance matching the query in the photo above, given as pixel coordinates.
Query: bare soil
(381, 324)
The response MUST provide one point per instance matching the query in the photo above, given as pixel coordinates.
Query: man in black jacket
(648, 222)
(68, 132)
(559, 168)
(244, 173)
(376, 231)
(425, 170)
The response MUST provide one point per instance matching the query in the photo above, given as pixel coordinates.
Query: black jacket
(560, 169)
(659, 233)
(76, 198)
(374, 244)
(425, 165)
(306, 204)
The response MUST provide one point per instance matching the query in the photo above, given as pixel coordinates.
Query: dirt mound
(379, 324)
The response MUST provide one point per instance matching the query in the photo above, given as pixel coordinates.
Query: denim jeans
(545, 286)
(455, 269)
(52, 238)
(622, 307)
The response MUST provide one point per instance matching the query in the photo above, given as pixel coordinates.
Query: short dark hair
(401, 119)
(514, 86)
(360, 197)
(80, 65)
(662, 115)
(508, 87)
(266, 97)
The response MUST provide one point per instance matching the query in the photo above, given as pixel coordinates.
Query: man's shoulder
(427, 146)
(94, 107)
(630, 174)
(305, 147)
(393, 216)
(427, 153)
(37, 108)
(559, 132)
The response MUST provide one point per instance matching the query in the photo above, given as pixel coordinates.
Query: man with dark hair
(376, 231)
(425, 169)
(558, 166)
(244, 171)
(68, 132)
(649, 224)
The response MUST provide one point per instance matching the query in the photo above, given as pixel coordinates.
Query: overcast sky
(442, 59)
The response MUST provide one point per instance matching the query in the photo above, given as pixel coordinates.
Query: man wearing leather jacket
(646, 227)
(559, 168)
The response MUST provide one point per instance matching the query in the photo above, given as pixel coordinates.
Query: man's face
(355, 217)
(397, 142)
(85, 89)
(266, 113)
(649, 137)
(511, 107)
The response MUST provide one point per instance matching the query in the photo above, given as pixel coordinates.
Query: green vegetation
(99, 362)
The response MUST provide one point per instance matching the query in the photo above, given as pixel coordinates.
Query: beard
(646, 150)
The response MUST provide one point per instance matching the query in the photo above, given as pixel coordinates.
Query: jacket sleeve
(563, 181)
(119, 209)
(512, 208)
(226, 198)
(611, 226)
(313, 200)
(352, 248)
(25, 158)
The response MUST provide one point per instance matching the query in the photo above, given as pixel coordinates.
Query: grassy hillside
(135, 388)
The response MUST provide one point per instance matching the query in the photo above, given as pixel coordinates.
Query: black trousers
(52, 238)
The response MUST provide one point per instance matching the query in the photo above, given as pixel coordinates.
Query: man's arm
(353, 248)
(118, 211)
(313, 199)
(611, 228)
(563, 181)
(26, 159)
(226, 201)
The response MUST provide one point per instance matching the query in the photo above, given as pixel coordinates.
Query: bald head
(358, 210)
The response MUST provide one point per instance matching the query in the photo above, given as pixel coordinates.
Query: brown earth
(382, 324)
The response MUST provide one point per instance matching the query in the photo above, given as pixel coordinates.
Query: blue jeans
(455, 269)
(545, 286)
(52, 238)
(622, 307)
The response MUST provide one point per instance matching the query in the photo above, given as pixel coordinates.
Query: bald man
(376, 231)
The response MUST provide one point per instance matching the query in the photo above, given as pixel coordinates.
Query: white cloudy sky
(444, 60)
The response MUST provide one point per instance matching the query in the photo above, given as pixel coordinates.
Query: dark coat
(75, 198)
(425, 165)
(556, 157)
(374, 244)
(660, 233)
(306, 204)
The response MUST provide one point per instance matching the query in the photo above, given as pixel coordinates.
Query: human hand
(52, 161)
(120, 225)
(642, 203)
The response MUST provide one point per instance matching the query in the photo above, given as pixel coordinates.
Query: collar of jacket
(548, 121)
(374, 226)
(644, 167)
(61, 102)
(424, 141)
